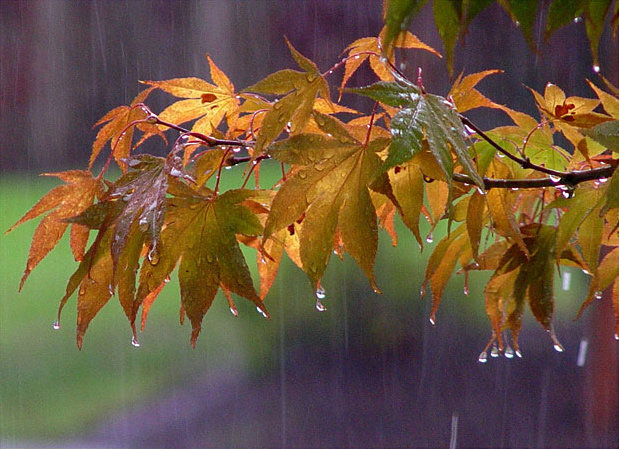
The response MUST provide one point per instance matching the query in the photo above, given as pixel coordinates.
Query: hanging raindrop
(143, 224)
(234, 312)
(261, 312)
(554, 179)
(509, 352)
(153, 256)
(56, 325)
(320, 293)
(134, 342)
(430, 237)
(597, 294)
(320, 306)
(483, 357)
(556, 343)
(494, 352)
(596, 68)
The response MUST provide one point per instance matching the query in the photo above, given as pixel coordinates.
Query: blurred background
(369, 372)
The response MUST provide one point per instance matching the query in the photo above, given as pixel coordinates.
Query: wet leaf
(359, 52)
(561, 13)
(397, 19)
(201, 231)
(466, 97)
(60, 204)
(117, 131)
(329, 188)
(501, 209)
(204, 102)
(295, 108)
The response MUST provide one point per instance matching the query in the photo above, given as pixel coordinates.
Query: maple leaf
(368, 48)
(464, 95)
(569, 114)
(118, 132)
(60, 203)
(200, 230)
(294, 109)
(329, 187)
(206, 102)
(423, 119)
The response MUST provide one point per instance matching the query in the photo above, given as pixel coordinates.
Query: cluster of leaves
(453, 18)
(516, 202)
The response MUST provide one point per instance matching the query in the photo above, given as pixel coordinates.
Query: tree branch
(568, 179)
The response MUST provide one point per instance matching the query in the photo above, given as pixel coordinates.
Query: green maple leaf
(294, 109)
(329, 187)
(200, 230)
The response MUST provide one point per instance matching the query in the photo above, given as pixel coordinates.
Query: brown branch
(524, 163)
(568, 179)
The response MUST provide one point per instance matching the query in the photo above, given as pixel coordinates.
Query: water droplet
(483, 357)
(554, 179)
(228, 167)
(517, 22)
(432, 320)
(465, 290)
(480, 190)
(153, 256)
(494, 352)
(588, 273)
(577, 19)
(134, 342)
(357, 56)
(56, 325)
(422, 291)
(143, 224)
(236, 149)
(501, 155)
(320, 293)
(234, 312)
(617, 337)
(320, 306)
(556, 343)
(509, 352)
(597, 294)
(403, 65)
(568, 192)
(514, 189)
(110, 289)
(430, 237)
(261, 312)
(602, 180)
(518, 353)
(596, 68)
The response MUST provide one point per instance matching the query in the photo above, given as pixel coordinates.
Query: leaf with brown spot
(329, 184)
(204, 102)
